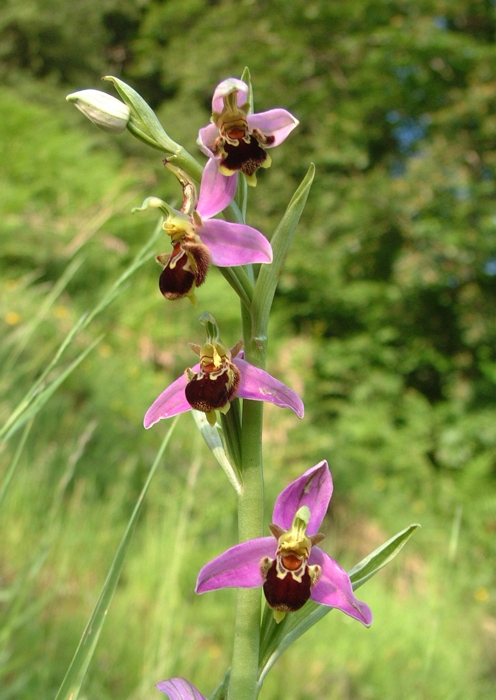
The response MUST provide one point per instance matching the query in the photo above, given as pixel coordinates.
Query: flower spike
(290, 566)
(236, 141)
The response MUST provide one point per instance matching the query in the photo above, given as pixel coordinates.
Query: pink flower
(199, 240)
(180, 689)
(219, 377)
(236, 140)
(289, 565)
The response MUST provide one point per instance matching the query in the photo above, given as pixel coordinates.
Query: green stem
(244, 668)
(240, 282)
(185, 160)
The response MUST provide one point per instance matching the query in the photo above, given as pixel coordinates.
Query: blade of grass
(13, 423)
(15, 462)
(49, 301)
(23, 603)
(71, 685)
(39, 400)
(164, 651)
(268, 278)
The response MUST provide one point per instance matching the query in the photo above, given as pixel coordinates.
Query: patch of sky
(404, 72)
(490, 267)
(461, 193)
(440, 22)
(452, 281)
(393, 116)
(408, 131)
(397, 169)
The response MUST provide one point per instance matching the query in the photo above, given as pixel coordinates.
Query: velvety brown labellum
(206, 393)
(177, 281)
(286, 594)
(247, 157)
(201, 256)
(186, 267)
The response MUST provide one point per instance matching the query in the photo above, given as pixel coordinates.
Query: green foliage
(64, 41)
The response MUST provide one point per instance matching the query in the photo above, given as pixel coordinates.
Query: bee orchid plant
(284, 567)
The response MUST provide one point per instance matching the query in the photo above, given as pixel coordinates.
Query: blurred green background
(384, 321)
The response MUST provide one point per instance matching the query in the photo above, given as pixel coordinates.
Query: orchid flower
(236, 140)
(289, 565)
(219, 377)
(180, 689)
(198, 240)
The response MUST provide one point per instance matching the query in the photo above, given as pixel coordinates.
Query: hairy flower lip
(278, 123)
(239, 567)
(211, 390)
(255, 384)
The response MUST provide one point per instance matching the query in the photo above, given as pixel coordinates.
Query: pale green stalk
(243, 683)
(244, 668)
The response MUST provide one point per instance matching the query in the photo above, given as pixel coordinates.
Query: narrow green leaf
(281, 241)
(240, 282)
(276, 638)
(214, 442)
(41, 397)
(220, 693)
(380, 557)
(71, 685)
(45, 307)
(13, 466)
(231, 434)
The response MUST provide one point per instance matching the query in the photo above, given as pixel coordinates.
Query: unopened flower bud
(106, 112)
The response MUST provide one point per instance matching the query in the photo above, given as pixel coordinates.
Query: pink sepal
(238, 567)
(275, 122)
(234, 244)
(258, 385)
(312, 489)
(335, 590)
(216, 190)
(180, 689)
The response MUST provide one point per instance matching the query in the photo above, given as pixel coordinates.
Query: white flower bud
(106, 112)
